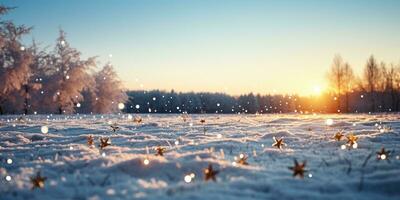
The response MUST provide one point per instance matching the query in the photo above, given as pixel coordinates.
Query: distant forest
(34, 80)
(376, 90)
(171, 102)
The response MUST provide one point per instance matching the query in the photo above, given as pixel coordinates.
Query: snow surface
(76, 171)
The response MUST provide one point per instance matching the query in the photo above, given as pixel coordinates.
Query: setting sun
(317, 90)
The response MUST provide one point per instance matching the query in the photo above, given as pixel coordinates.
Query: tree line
(376, 90)
(33, 80)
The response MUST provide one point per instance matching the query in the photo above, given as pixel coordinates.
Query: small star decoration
(298, 169)
(104, 142)
(90, 140)
(184, 117)
(210, 173)
(338, 136)
(242, 160)
(138, 120)
(38, 181)
(160, 151)
(278, 143)
(114, 127)
(351, 139)
(383, 154)
(202, 121)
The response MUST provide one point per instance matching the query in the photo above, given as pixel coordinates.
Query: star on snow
(160, 151)
(338, 136)
(242, 160)
(114, 127)
(104, 142)
(184, 117)
(90, 141)
(298, 169)
(138, 120)
(351, 139)
(383, 154)
(210, 173)
(38, 181)
(278, 143)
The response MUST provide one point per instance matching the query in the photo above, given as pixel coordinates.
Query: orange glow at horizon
(309, 88)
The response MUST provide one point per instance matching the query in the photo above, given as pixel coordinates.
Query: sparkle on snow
(44, 129)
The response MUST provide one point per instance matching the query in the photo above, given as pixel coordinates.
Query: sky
(232, 46)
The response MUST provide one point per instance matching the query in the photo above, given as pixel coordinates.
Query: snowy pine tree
(108, 92)
(69, 76)
(15, 60)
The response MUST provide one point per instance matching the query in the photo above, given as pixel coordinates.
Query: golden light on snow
(383, 157)
(177, 142)
(44, 129)
(241, 155)
(343, 146)
(329, 122)
(310, 175)
(130, 117)
(8, 178)
(9, 161)
(121, 106)
(78, 105)
(355, 145)
(146, 161)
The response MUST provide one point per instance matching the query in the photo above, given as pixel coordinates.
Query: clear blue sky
(228, 46)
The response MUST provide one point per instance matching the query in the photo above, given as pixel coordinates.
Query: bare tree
(336, 78)
(397, 87)
(371, 78)
(389, 83)
(348, 81)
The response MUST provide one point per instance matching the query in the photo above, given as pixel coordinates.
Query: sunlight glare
(317, 90)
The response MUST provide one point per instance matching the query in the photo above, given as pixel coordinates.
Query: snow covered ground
(76, 171)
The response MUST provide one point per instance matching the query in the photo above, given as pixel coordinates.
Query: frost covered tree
(68, 76)
(108, 91)
(15, 60)
(34, 81)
